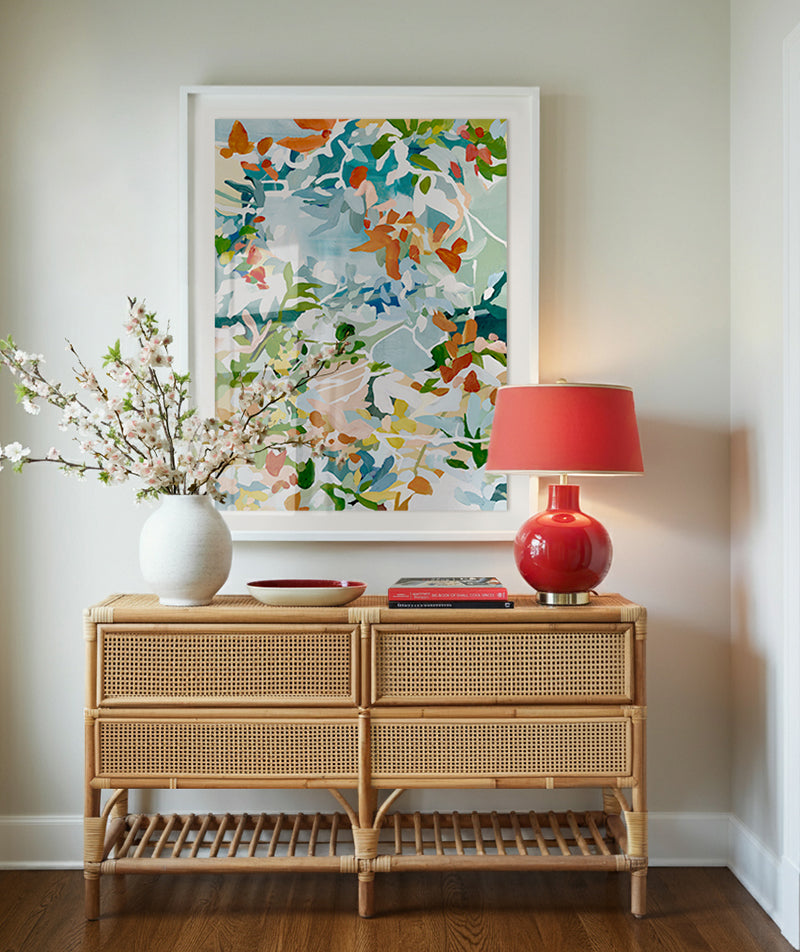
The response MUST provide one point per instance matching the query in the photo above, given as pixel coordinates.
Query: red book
(447, 589)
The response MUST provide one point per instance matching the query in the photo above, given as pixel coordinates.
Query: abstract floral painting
(396, 229)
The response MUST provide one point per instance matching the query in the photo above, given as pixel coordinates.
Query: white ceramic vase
(185, 550)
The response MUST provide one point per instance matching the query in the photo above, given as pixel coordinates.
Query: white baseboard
(53, 842)
(41, 842)
(789, 920)
(774, 882)
(757, 868)
(688, 839)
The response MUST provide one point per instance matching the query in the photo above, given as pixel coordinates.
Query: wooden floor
(691, 910)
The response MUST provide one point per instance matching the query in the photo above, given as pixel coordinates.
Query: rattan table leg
(94, 829)
(636, 823)
(639, 892)
(366, 897)
(366, 846)
(91, 897)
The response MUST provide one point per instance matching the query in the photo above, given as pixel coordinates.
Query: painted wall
(762, 644)
(634, 290)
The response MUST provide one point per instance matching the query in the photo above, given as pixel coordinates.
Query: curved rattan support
(615, 798)
(381, 814)
(113, 800)
(351, 814)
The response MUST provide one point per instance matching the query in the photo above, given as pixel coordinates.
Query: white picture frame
(201, 107)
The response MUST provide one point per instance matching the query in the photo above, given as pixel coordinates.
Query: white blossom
(15, 452)
(148, 430)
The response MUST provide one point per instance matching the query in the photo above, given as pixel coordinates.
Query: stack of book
(448, 593)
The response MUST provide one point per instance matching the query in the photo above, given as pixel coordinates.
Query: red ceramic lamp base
(562, 552)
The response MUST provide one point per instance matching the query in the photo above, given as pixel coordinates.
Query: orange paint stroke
(317, 125)
(471, 384)
(421, 486)
(440, 231)
(358, 176)
(381, 237)
(238, 142)
(309, 144)
(452, 261)
(443, 322)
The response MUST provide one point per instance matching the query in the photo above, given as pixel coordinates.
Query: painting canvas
(391, 226)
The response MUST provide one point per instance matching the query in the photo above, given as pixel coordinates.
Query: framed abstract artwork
(401, 223)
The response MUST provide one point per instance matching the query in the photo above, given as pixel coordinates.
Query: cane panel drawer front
(404, 750)
(144, 665)
(205, 749)
(541, 664)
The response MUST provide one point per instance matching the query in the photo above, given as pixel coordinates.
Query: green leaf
(440, 355)
(480, 454)
(490, 171)
(306, 473)
(423, 162)
(497, 148)
(457, 463)
(382, 146)
(366, 503)
(329, 490)
(114, 355)
(304, 288)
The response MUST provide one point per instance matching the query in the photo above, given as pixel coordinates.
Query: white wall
(762, 644)
(634, 290)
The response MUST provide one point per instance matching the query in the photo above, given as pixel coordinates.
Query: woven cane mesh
(514, 663)
(149, 748)
(599, 747)
(259, 664)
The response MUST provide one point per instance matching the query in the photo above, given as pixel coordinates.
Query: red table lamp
(555, 430)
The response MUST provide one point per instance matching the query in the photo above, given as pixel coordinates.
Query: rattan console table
(365, 702)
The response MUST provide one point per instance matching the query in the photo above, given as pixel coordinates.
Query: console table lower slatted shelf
(139, 843)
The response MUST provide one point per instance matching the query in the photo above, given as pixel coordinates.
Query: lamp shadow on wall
(686, 483)
(671, 534)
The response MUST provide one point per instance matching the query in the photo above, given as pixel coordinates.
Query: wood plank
(697, 909)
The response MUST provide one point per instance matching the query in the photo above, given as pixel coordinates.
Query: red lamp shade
(560, 429)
